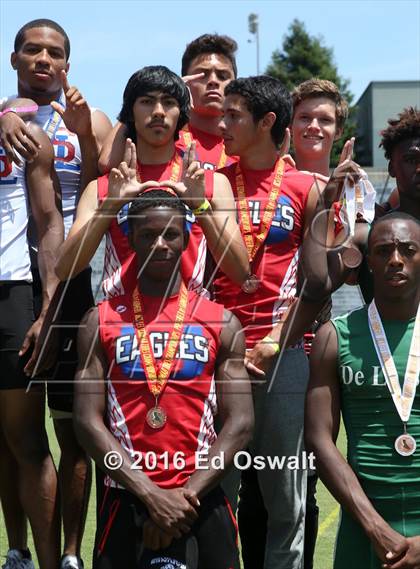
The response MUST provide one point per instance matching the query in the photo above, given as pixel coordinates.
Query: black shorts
(16, 317)
(77, 300)
(211, 544)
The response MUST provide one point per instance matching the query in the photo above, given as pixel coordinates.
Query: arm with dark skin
(322, 423)
(15, 134)
(45, 199)
(174, 510)
(91, 129)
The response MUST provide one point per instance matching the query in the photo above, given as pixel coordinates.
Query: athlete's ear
(268, 120)
(13, 58)
(66, 69)
(338, 134)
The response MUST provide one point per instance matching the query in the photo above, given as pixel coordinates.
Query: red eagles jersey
(120, 269)
(189, 398)
(210, 148)
(276, 262)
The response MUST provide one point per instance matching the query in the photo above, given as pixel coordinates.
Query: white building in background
(380, 101)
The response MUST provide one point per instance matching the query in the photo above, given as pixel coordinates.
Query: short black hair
(154, 78)
(406, 126)
(155, 198)
(210, 43)
(264, 94)
(389, 217)
(42, 23)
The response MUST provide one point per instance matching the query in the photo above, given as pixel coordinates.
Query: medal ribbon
(403, 400)
(157, 378)
(358, 200)
(187, 139)
(54, 121)
(253, 243)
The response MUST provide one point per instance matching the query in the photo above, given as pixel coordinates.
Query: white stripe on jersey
(207, 434)
(287, 289)
(111, 277)
(196, 282)
(15, 264)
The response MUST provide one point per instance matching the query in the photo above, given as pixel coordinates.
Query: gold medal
(405, 445)
(157, 376)
(251, 284)
(254, 241)
(156, 417)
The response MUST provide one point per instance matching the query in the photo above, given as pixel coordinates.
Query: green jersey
(372, 422)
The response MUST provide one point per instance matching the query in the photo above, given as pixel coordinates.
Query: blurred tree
(304, 56)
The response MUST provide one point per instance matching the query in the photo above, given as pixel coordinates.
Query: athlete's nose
(160, 243)
(43, 57)
(213, 80)
(396, 258)
(314, 124)
(158, 109)
(222, 125)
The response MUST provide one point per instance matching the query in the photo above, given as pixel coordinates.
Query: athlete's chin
(209, 109)
(311, 145)
(159, 141)
(160, 270)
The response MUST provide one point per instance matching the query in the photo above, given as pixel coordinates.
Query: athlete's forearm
(234, 436)
(296, 321)
(314, 260)
(341, 481)
(79, 248)
(49, 241)
(112, 151)
(26, 108)
(225, 243)
(89, 150)
(103, 447)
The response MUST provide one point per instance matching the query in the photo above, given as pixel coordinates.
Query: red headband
(162, 188)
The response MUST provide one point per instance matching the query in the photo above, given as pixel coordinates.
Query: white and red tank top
(210, 148)
(189, 398)
(276, 262)
(15, 264)
(120, 267)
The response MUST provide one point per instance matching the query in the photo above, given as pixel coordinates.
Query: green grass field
(326, 536)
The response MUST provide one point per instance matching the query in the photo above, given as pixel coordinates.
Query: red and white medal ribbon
(358, 201)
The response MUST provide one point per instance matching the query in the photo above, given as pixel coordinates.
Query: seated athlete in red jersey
(148, 387)
(208, 65)
(155, 108)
